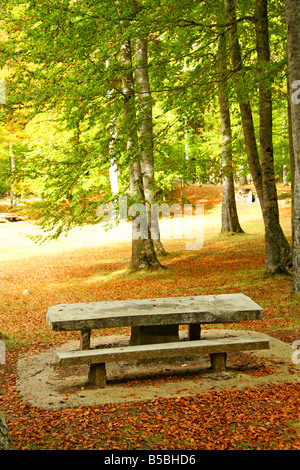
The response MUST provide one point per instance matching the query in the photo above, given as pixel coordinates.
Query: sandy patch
(41, 383)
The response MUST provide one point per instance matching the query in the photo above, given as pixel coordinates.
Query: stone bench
(216, 348)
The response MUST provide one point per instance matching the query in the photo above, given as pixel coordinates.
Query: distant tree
(277, 249)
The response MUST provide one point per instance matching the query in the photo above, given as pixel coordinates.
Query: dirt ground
(41, 383)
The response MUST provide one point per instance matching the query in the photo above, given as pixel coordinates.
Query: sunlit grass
(92, 265)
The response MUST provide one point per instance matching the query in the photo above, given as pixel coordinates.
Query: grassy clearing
(91, 265)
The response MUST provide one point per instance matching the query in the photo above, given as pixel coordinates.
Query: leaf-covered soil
(255, 405)
(43, 384)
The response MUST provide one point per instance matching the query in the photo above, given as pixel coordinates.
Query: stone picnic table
(10, 217)
(154, 320)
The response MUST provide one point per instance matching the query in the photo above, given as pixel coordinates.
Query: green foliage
(64, 91)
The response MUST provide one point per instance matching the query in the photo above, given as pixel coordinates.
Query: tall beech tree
(292, 8)
(145, 119)
(271, 217)
(230, 221)
(277, 249)
(143, 251)
(139, 125)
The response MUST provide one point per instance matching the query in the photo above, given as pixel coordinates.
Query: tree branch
(186, 23)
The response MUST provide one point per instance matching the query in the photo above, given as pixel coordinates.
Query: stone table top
(224, 308)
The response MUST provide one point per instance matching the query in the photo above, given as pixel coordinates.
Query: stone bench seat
(216, 348)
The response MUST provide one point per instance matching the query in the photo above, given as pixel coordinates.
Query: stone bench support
(217, 350)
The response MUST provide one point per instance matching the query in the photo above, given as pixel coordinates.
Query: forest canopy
(113, 98)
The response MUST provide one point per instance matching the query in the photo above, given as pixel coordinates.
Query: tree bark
(292, 8)
(266, 136)
(291, 145)
(230, 221)
(145, 120)
(277, 249)
(5, 439)
(143, 252)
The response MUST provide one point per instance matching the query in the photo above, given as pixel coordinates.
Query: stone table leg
(194, 331)
(97, 375)
(85, 339)
(218, 361)
(154, 334)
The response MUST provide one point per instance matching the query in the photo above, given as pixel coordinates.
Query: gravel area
(41, 383)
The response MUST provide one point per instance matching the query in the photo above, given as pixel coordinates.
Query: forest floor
(163, 406)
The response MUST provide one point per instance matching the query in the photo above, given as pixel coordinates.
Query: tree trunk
(266, 137)
(5, 439)
(12, 166)
(292, 8)
(291, 145)
(146, 136)
(230, 221)
(277, 250)
(143, 253)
